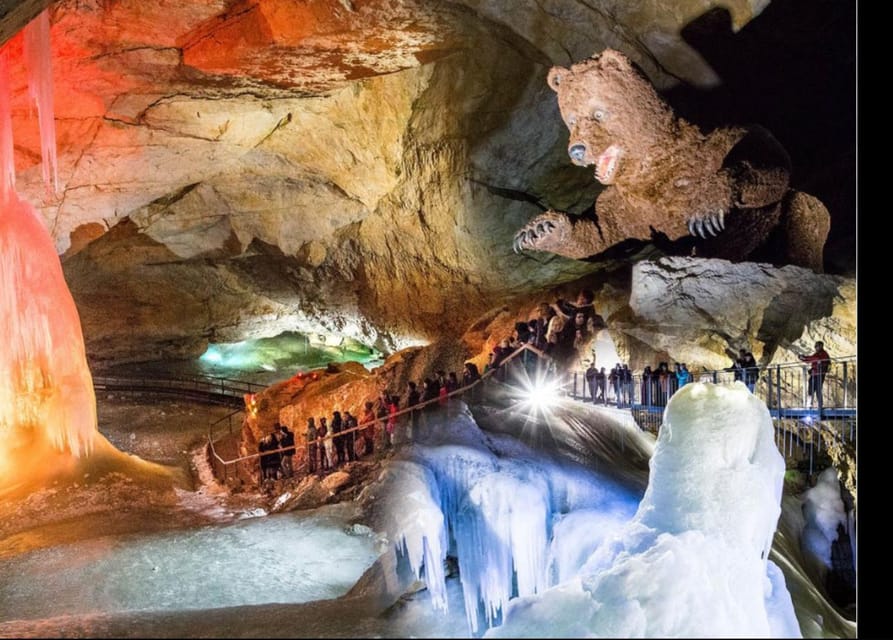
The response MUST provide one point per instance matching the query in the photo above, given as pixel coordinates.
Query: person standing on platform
(311, 437)
(819, 363)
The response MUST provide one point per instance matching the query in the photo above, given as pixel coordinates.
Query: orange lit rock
(290, 43)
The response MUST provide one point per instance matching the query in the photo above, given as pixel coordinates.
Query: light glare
(542, 394)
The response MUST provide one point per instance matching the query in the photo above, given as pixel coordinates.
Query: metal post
(819, 425)
(715, 377)
(787, 442)
(812, 435)
(778, 389)
(575, 384)
(784, 439)
(845, 394)
(804, 384)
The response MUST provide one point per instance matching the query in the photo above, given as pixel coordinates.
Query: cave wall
(230, 170)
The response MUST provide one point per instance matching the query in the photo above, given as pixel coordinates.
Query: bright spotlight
(542, 394)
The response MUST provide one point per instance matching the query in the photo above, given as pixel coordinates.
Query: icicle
(40, 88)
(7, 161)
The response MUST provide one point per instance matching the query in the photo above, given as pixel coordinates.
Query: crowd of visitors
(277, 450)
(335, 441)
(558, 330)
(656, 385)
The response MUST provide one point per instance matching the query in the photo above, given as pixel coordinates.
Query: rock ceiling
(233, 169)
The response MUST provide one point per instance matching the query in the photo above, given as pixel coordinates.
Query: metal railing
(784, 387)
(219, 466)
(801, 427)
(201, 388)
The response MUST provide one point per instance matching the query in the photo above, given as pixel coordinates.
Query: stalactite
(40, 88)
(7, 163)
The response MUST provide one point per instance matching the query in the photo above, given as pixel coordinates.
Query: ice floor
(281, 558)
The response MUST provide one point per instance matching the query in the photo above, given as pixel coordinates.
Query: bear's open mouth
(606, 164)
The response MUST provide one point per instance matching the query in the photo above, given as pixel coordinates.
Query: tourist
(819, 363)
(311, 436)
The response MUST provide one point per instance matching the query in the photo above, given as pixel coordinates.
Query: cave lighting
(212, 355)
(327, 339)
(542, 394)
(242, 355)
(250, 404)
(535, 393)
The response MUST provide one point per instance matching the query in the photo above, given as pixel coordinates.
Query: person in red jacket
(819, 362)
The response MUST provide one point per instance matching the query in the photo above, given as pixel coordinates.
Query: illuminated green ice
(287, 353)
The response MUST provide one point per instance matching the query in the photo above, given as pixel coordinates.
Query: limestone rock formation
(691, 310)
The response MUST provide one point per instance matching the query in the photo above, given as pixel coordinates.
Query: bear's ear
(612, 58)
(555, 76)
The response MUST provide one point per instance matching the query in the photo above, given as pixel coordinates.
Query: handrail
(784, 385)
(759, 367)
(780, 365)
(218, 387)
(206, 381)
(227, 417)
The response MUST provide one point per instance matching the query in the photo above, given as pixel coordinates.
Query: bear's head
(613, 113)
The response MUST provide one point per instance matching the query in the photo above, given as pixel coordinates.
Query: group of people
(277, 451)
(345, 438)
(657, 385)
(328, 453)
(559, 330)
(745, 368)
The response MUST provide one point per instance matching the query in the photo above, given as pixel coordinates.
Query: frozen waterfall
(546, 548)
